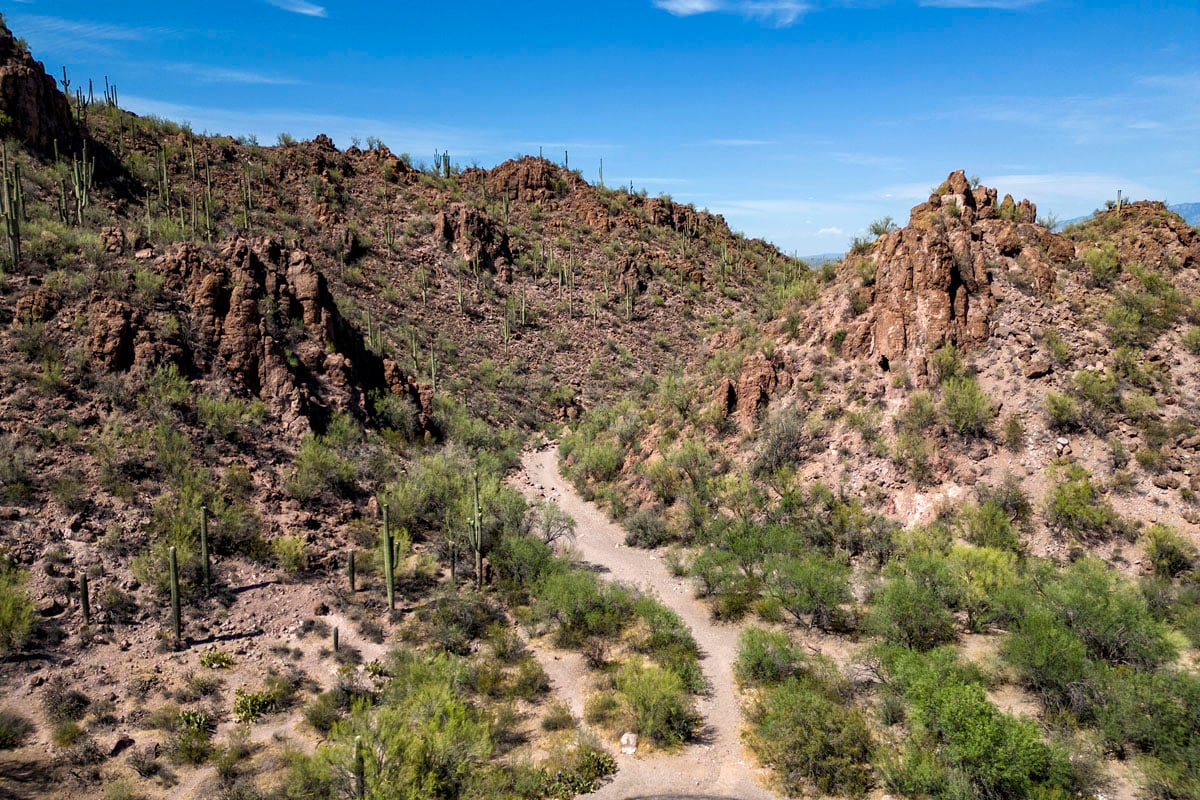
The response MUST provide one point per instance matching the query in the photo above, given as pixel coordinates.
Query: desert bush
(767, 657)
(658, 703)
(947, 363)
(1050, 659)
(1172, 555)
(784, 441)
(966, 407)
(989, 525)
(807, 735)
(216, 659)
(1062, 412)
(323, 713)
(557, 718)
(1191, 340)
(1012, 433)
(1075, 506)
(291, 553)
(61, 703)
(584, 606)
(909, 613)
(275, 695)
(1103, 262)
(646, 529)
(14, 729)
(319, 469)
(919, 415)
(811, 588)
(16, 609)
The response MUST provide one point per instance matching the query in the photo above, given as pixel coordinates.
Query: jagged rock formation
(35, 112)
(481, 241)
(261, 316)
(929, 284)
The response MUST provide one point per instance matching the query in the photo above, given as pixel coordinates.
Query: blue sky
(801, 122)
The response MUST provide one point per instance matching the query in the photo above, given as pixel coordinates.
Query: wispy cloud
(67, 36)
(831, 231)
(208, 74)
(300, 7)
(777, 13)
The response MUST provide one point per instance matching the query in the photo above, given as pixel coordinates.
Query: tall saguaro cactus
(204, 558)
(85, 603)
(12, 204)
(388, 560)
(176, 628)
(476, 532)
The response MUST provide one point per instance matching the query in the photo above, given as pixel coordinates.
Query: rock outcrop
(35, 111)
(480, 240)
(261, 317)
(930, 283)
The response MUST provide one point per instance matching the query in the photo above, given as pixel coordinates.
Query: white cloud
(686, 8)
(206, 74)
(67, 37)
(779, 13)
(300, 7)
(831, 231)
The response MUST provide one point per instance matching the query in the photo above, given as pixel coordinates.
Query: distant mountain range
(1189, 211)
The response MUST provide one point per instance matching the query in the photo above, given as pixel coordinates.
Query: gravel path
(717, 766)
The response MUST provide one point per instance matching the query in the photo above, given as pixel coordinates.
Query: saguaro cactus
(476, 532)
(360, 770)
(85, 604)
(388, 560)
(176, 628)
(350, 570)
(12, 204)
(204, 559)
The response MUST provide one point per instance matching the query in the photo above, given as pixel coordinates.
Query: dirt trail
(717, 766)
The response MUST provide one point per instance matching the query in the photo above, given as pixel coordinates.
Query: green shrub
(1191, 340)
(1172, 555)
(61, 703)
(584, 606)
(966, 408)
(920, 414)
(558, 718)
(947, 363)
(319, 469)
(291, 553)
(216, 659)
(806, 734)
(1074, 504)
(811, 588)
(658, 704)
(909, 613)
(1062, 412)
(14, 729)
(16, 609)
(323, 713)
(767, 657)
(602, 709)
(646, 529)
(1050, 659)
(989, 525)
(1104, 263)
